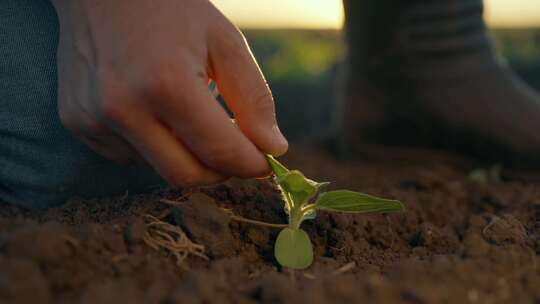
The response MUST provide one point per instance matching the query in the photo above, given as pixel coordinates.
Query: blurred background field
(302, 68)
(521, 49)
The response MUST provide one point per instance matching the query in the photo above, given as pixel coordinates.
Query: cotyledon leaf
(293, 249)
(355, 202)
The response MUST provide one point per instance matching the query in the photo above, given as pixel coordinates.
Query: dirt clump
(204, 223)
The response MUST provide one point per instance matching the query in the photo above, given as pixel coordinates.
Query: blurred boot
(425, 73)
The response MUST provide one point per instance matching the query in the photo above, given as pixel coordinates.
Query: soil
(464, 238)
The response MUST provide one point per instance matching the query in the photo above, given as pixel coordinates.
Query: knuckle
(235, 36)
(225, 28)
(162, 81)
(230, 39)
(261, 100)
(113, 109)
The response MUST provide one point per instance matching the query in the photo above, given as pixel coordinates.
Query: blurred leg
(41, 164)
(425, 72)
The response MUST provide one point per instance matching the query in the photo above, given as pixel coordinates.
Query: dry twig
(345, 268)
(242, 219)
(235, 217)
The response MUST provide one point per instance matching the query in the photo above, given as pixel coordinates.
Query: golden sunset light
(329, 13)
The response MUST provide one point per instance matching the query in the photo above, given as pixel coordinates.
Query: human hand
(133, 82)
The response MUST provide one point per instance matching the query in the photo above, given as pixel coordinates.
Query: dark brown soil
(462, 239)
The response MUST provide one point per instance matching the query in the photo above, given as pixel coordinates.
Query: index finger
(197, 119)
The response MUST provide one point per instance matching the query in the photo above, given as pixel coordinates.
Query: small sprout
(302, 198)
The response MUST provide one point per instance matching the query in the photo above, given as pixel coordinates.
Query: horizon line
(496, 27)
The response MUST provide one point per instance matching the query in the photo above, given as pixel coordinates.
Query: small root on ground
(162, 235)
(235, 217)
(238, 218)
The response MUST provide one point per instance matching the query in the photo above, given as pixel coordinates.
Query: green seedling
(303, 197)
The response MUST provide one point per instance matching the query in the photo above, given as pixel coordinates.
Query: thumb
(242, 85)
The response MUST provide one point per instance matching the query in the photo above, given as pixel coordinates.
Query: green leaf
(355, 202)
(293, 249)
(278, 169)
(299, 187)
(295, 181)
